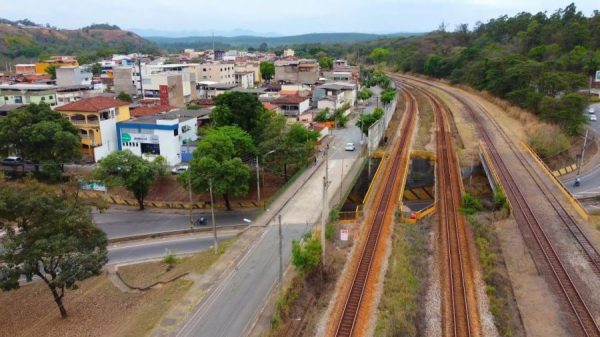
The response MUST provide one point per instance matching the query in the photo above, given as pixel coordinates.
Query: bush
(499, 199)
(170, 259)
(322, 116)
(307, 256)
(548, 140)
(470, 205)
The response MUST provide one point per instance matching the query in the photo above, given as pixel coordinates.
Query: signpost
(344, 233)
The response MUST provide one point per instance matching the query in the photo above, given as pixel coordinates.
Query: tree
(241, 109)
(326, 62)
(123, 168)
(379, 55)
(263, 47)
(50, 236)
(51, 71)
(366, 120)
(388, 95)
(215, 162)
(42, 135)
(123, 96)
(96, 69)
(306, 256)
(267, 70)
(365, 94)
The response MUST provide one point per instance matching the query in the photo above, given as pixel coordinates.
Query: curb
(172, 233)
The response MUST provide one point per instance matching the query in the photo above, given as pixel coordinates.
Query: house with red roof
(96, 118)
(292, 105)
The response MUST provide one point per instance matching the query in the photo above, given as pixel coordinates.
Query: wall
(37, 98)
(123, 80)
(108, 130)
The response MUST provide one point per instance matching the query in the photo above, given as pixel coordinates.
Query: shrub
(306, 256)
(470, 204)
(170, 259)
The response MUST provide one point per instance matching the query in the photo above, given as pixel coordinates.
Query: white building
(335, 95)
(245, 79)
(289, 53)
(71, 76)
(216, 72)
(163, 134)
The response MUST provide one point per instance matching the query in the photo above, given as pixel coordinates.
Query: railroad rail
(462, 318)
(525, 216)
(385, 205)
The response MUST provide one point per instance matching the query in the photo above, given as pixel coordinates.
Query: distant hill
(201, 42)
(23, 39)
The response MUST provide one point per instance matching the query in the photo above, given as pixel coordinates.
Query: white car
(179, 169)
(593, 118)
(591, 111)
(350, 147)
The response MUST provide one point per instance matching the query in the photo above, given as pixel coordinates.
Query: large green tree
(216, 161)
(326, 62)
(48, 236)
(123, 168)
(39, 134)
(240, 109)
(267, 70)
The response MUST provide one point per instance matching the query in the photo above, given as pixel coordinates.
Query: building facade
(297, 71)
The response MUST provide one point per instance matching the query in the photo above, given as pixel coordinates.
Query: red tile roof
(150, 110)
(289, 100)
(269, 106)
(93, 104)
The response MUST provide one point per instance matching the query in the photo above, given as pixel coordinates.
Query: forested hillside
(536, 61)
(24, 40)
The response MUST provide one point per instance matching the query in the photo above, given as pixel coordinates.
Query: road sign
(125, 137)
(344, 234)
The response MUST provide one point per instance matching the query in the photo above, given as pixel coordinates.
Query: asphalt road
(230, 309)
(590, 181)
(123, 222)
(155, 249)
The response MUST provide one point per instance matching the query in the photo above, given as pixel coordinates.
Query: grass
(97, 308)
(426, 120)
(145, 274)
(403, 282)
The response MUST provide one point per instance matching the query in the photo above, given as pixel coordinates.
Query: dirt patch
(145, 274)
(405, 284)
(97, 308)
(423, 138)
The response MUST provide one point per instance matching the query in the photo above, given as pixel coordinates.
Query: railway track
(461, 316)
(385, 205)
(585, 323)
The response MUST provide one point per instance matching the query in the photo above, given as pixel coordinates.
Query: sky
(282, 17)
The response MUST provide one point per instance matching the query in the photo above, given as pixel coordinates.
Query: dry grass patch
(426, 120)
(97, 308)
(147, 273)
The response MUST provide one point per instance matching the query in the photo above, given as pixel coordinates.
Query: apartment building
(71, 76)
(216, 72)
(59, 61)
(28, 93)
(97, 119)
(250, 66)
(333, 96)
(245, 79)
(304, 71)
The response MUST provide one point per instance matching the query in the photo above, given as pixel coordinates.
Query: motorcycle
(201, 221)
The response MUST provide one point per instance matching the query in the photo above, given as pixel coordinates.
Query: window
(18, 99)
(150, 148)
(176, 132)
(50, 97)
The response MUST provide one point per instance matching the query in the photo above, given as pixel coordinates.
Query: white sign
(344, 234)
(144, 138)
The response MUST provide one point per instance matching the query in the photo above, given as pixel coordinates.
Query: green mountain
(24, 40)
(203, 42)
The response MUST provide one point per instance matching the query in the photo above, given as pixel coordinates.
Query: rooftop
(289, 100)
(93, 104)
(181, 114)
(150, 110)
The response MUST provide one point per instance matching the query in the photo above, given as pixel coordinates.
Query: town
(189, 178)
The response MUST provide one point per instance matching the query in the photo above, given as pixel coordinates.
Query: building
(297, 71)
(28, 93)
(58, 61)
(250, 66)
(25, 69)
(5, 109)
(69, 94)
(333, 96)
(292, 106)
(159, 135)
(218, 55)
(209, 89)
(245, 79)
(216, 72)
(289, 53)
(338, 76)
(123, 80)
(97, 119)
(70, 76)
(179, 88)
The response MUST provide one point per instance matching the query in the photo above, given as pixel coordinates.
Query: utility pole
(189, 181)
(325, 212)
(341, 185)
(582, 152)
(257, 181)
(212, 211)
(140, 72)
(280, 256)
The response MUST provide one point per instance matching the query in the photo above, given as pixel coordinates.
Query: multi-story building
(297, 71)
(28, 93)
(59, 61)
(123, 80)
(333, 96)
(159, 135)
(245, 79)
(216, 72)
(250, 66)
(289, 53)
(70, 76)
(25, 69)
(97, 119)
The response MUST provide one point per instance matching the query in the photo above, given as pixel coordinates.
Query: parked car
(11, 161)
(593, 118)
(179, 169)
(591, 111)
(350, 147)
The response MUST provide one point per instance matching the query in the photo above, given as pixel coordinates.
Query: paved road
(590, 181)
(231, 308)
(123, 222)
(155, 249)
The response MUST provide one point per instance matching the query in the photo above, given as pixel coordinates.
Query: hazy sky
(279, 16)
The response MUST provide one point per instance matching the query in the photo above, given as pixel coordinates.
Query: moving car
(591, 111)
(350, 147)
(179, 169)
(593, 118)
(11, 161)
